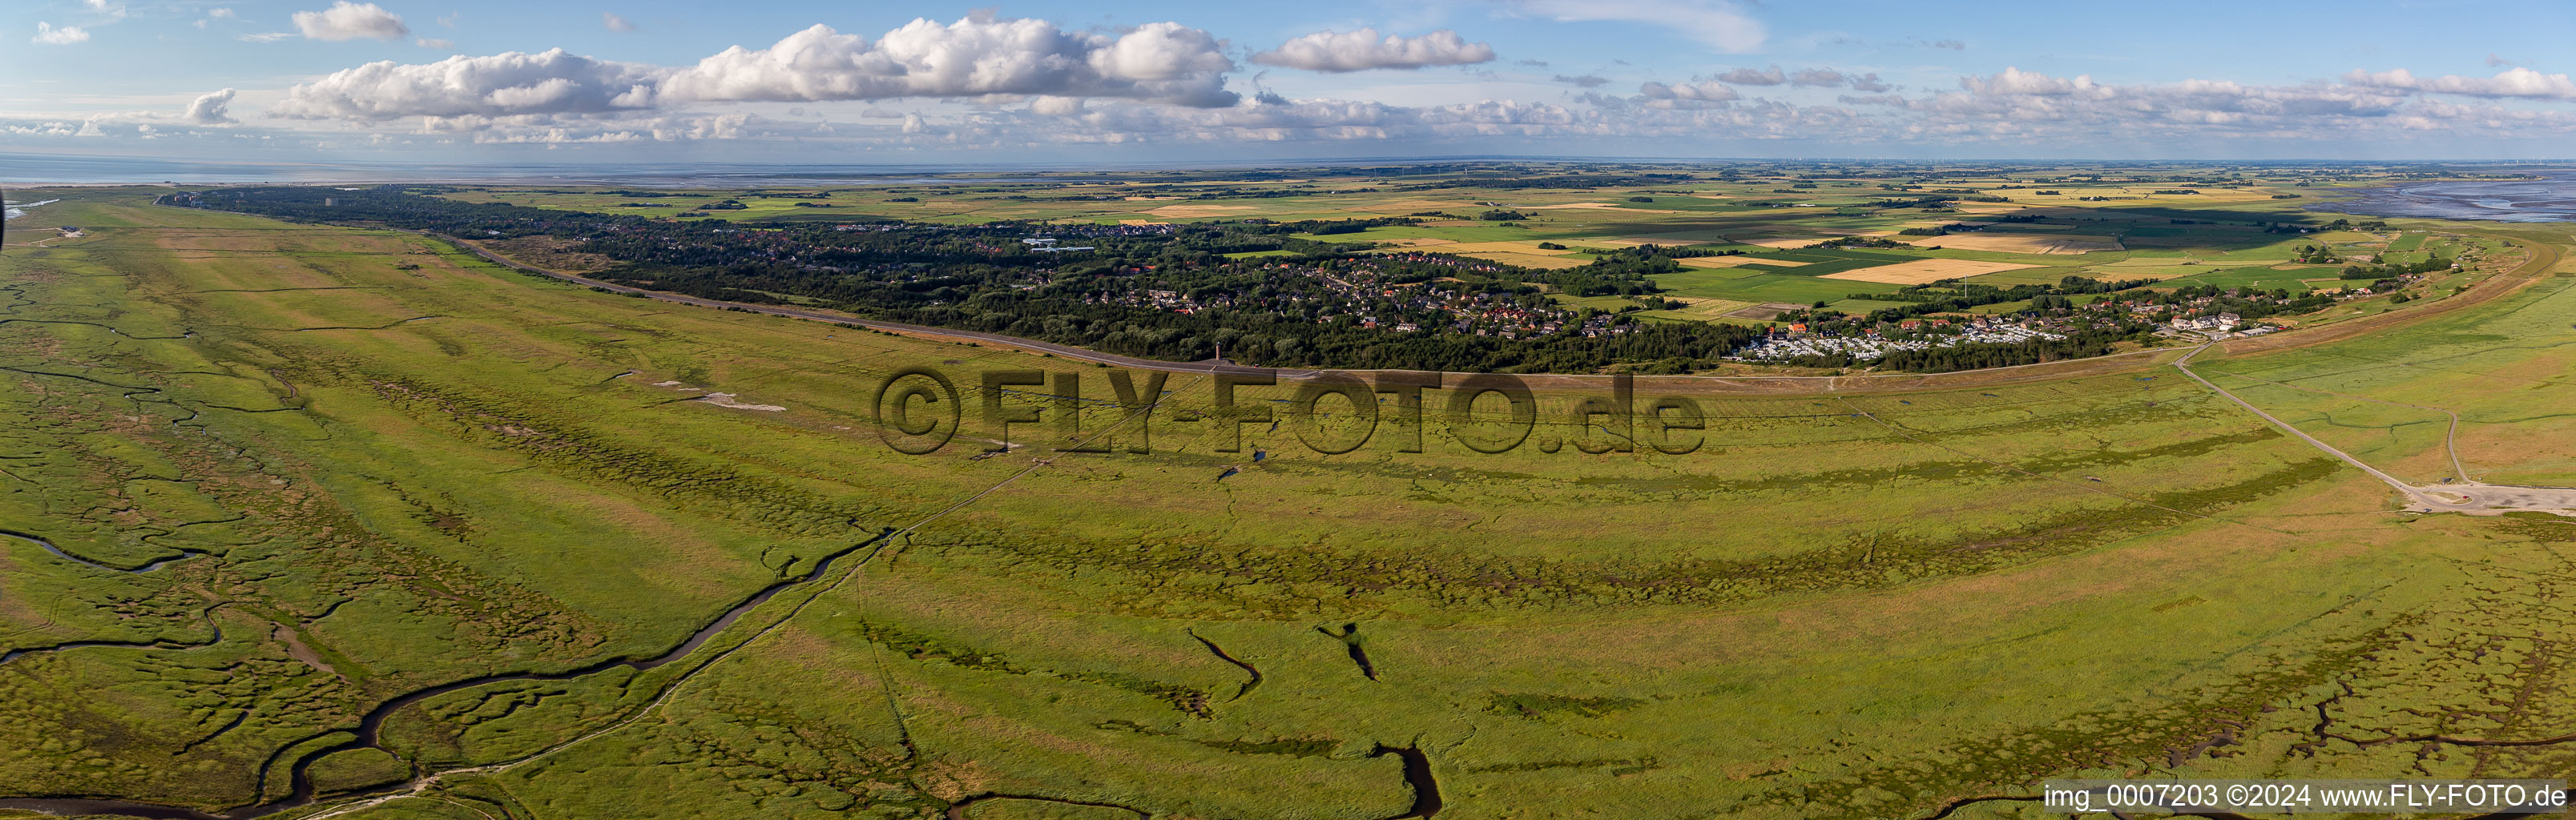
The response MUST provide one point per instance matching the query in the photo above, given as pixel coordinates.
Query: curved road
(2467, 497)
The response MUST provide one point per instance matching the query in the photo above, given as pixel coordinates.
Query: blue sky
(468, 80)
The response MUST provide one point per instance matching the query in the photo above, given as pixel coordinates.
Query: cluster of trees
(2078, 343)
(2275, 302)
(2429, 265)
(1949, 295)
(1934, 201)
(1284, 340)
(2083, 343)
(1857, 242)
(1621, 271)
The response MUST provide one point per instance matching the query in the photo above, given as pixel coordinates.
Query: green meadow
(378, 466)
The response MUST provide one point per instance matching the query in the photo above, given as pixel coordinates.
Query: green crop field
(2260, 277)
(1765, 287)
(341, 521)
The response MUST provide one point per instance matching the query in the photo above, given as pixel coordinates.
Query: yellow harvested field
(1187, 211)
(1504, 247)
(1591, 206)
(1141, 222)
(1786, 242)
(1529, 260)
(1729, 261)
(1407, 206)
(2023, 243)
(1921, 271)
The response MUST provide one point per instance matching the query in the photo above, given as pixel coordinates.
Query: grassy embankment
(406, 476)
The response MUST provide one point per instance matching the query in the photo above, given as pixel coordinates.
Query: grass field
(2293, 279)
(383, 465)
(1764, 287)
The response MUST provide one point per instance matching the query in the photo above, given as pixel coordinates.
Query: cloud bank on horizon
(1677, 78)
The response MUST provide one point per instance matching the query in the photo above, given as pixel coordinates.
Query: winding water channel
(366, 734)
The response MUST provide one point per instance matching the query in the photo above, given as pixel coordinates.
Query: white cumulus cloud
(1362, 50)
(1817, 78)
(974, 57)
(1747, 76)
(2514, 82)
(345, 20)
(1699, 94)
(1806, 77)
(208, 109)
(2014, 81)
(47, 34)
(500, 85)
(979, 58)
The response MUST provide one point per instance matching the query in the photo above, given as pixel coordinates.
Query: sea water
(2551, 198)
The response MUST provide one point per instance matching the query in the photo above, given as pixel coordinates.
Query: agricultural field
(308, 520)
(2001, 227)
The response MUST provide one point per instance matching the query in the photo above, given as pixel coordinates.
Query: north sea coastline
(2549, 198)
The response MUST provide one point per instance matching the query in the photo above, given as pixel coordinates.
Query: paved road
(2450, 438)
(2466, 497)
